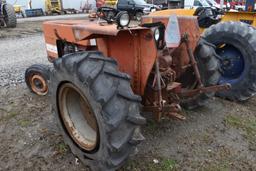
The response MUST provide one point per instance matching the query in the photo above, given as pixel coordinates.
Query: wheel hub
(38, 84)
(231, 64)
(78, 117)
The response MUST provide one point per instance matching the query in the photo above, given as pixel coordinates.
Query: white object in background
(221, 4)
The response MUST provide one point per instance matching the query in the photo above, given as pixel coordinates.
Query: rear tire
(9, 16)
(112, 101)
(236, 47)
(209, 70)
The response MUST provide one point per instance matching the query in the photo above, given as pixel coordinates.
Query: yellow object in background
(17, 8)
(246, 17)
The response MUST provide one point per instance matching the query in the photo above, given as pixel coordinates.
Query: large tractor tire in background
(9, 16)
(208, 66)
(236, 49)
(96, 109)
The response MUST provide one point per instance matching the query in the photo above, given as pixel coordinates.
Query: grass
(164, 164)
(12, 114)
(24, 123)
(234, 121)
(9, 116)
(248, 125)
(151, 126)
(61, 148)
(207, 138)
(218, 160)
(168, 164)
(216, 167)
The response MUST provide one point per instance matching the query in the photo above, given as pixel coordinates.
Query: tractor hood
(82, 29)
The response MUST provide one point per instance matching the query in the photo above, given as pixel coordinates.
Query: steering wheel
(207, 16)
(107, 13)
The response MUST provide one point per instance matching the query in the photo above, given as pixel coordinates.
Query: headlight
(153, 10)
(123, 19)
(146, 10)
(157, 34)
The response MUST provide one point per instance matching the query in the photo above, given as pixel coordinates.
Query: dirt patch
(34, 25)
(29, 137)
(22, 29)
(28, 28)
(220, 136)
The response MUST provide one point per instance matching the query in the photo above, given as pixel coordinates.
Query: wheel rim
(38, 84)
(78, 117)
(231, 64)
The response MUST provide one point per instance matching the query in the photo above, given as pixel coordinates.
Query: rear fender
(135, 52)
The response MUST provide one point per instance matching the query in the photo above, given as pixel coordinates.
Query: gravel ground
(17, 55)
(218, 137)
(57, 17)
(32, 26)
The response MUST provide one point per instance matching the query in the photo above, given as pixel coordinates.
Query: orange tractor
(105, 75)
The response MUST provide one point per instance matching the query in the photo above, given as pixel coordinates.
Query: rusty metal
(173, 110)
(78, 117)
(159, 87)
(187, 25)
(38, 84)
(185, 39)
(177, 116)
(216, 88)
(128, 46)
(174, 87)
(157, 75)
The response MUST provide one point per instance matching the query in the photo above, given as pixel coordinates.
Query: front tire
(236, 48)
(37, 78)
(111, 100)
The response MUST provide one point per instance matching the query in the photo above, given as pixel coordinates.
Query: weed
(248, 125)
(151, 125)
(216, 167)
(9, 116)
(164, 164)
(61, 148)
(24, 122)
(168, 164)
